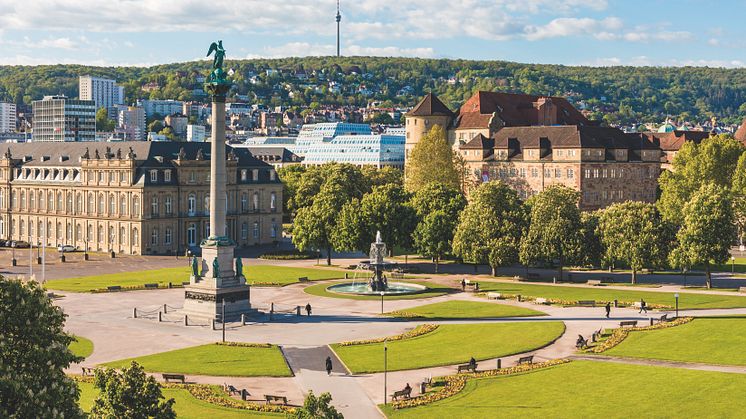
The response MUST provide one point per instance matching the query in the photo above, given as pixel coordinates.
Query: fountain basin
(361, 288)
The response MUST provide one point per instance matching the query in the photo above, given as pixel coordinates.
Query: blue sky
(584, 32)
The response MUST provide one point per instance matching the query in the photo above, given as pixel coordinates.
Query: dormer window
(167, 176)
(154, 176)
(244, 174)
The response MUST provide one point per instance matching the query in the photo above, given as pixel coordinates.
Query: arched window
(50, 201)
(122, 235)
(69, 208)
(32, 200)
(154, 205)
(40, 231)
(273, 201)
(244, 202)
(154, 237)
(58, 235)
(101, 204)
(30, 229)
(192, 234)
(49, 230)
(78, 234)
(100, 234)
(135, 237)
(14, 200)
(2, 228)
(135, 207)
(91, 204)
(256, 230)
(123, 206)
(192, 204)
(111, 236)
(23, 200)
(60, 203)
(168, 205)
(2, 199)
(112, 204)
(244, 231)
(41, 200)
(255, 202)
(207, 202)
(79, 203)
(89, 233)
(23, 228)
(169, 237)
(69, 232)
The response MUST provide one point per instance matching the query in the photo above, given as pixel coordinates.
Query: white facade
(311, 134)
(131, 123)
(7, 117)
(237, 108)
(360, 150)
(195, 133)
(106, 93)
(161, 107)
(57, 118)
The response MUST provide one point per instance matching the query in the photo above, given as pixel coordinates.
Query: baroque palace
(531, 142)
(132, 197)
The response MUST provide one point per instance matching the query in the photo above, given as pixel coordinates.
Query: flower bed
(569, 303)
(287, 255)
(404, 314)
(417, 331)
(618, 335)
(245, 345)
(455, 383)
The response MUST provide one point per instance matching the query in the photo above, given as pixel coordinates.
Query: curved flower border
(455, 383)
(618, 335)
(572, 303)
(417, 331)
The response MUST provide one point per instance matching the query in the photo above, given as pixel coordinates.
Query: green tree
(33, 355)
(317, 408)
(313, 225)
(438, 196)
(431, 160)
(593, 248)
(555, 231)
(290, 177)
(633, 233)
(155, 126)
(707, 231)
(129, 394)
(490, 227)
(433, 236)
(103, 123)
(383, 176)
(714, 161)
(738, 192)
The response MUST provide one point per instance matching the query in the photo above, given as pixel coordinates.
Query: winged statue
(217, 75)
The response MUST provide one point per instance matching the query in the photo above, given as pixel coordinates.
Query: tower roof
(430, 105)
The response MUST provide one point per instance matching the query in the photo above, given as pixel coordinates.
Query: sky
(571, 32)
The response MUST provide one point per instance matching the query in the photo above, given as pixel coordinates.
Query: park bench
(272, 398)
(87, 371)
(406, 393)
(114, 288)
(185, 283)
(586, 303)
(632, 323)
(494, 295)
(594, 282)
(303, 279)
(526, 360)
(467, 367)
(741, 289)
(596, 335)
(176, 377)
(663, 319)
(581, 342)
(151, 286)
(244, 394)
(541, 300)
(231, 390)
(533, 276)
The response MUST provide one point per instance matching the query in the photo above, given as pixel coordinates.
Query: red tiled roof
(479, 142)
(514, 109)
(572, 136)
(672, 141)
(430, 105)
(741, 133)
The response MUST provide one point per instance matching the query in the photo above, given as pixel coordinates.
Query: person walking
(643, 306)
(608, 310)
(308, 309)
(463, 284)
(328, 365)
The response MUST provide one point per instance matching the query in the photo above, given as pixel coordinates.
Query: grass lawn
(186, 406)
(214, 359)
(710, 340)
(255, 275)
(457, 309)
(451, 344)
(433, 290)
(686, 300)
(81, 347)
(586, 389)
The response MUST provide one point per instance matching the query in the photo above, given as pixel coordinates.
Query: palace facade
(132, 197)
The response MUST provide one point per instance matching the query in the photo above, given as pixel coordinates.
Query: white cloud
(568, 26)
(304, 49)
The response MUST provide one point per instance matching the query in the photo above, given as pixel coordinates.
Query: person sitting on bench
(581, 342)
(473, 363)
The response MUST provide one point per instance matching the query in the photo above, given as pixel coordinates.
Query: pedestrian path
(662, 363)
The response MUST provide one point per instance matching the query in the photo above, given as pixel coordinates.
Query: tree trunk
(494, 270)
(559, 271)
(708, 275)
(436, 264)
(634, 276)
(328, 256)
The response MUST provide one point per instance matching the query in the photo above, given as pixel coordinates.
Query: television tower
(339, 18)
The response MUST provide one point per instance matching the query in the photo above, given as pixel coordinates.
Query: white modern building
(161, 107)
(377, 150)
(131, 123)
(106, 93)
(57, 118)
(237, 108)
(312, 134)
(7, 117)
(195, 133)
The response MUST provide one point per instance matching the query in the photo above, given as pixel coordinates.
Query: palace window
(91, 204)
(273, 230)
(167, 176)
(244, 231)
(534, 172)
(273, 201)
(154, 205)
(558, 173)
(60, 204)
(122, 235)
(89, 233)
(154, 237)
(169, 237)
(112, 204)
(207, 202)
(192, 234)
(256, 230)
(50, 201)
(136, 207)
(101, 204)
(255, 202)
(154, 176)
(587, 173)
(192, 204)
(100, 234)
(570, 173)
(123, 205)
(135, 237)
(168, 204)
(244, 202)
(79, 203)
(244, 174)
(32, 200)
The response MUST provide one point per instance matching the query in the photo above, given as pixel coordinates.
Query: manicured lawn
(433, 290)
(256, 274)
(214, 359)
(457, 309)
(186, 406)
(712, 340)
(686, 300)
(451, 344)
(81, 347)
(586, 389)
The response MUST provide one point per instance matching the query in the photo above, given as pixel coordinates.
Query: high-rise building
(7, 117)
(106, 93)
(195, 133)
(131, 123)
(57, 118)
(162, 108)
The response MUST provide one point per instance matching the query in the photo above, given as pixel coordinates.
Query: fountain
(378, 282)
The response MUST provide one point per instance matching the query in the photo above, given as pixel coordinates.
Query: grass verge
(81, 346)
(433, 290)
(457, 309)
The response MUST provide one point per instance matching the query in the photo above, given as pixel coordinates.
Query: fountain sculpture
(378, 281)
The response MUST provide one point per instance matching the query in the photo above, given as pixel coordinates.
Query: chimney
(546, 111)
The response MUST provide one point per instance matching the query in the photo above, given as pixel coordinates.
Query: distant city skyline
(571, 32)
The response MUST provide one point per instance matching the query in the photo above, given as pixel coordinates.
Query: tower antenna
(339, 18)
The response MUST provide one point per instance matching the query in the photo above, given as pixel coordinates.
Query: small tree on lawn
(317, 408)
(707, 232)
(738, 192)
(129, 394)
(555, 230)
(633, 233)
(433, 236)
(490, 227)
(33, 355)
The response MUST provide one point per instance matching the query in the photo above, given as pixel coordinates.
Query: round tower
(428, 113)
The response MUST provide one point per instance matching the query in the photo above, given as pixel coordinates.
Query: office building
(105, 93)
(131, 124)
(7, 117)
(161, 108)
(195, 133)
(57, 118)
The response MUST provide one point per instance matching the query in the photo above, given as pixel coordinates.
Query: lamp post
(382, 294)
(222, 319)
(676, 296)
(732, 264)
(385, 370)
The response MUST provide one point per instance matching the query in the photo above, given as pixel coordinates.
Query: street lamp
(676, 296)
(732, 264)
(382, 294)
(385, 369)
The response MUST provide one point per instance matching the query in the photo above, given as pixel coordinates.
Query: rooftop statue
(217, 76)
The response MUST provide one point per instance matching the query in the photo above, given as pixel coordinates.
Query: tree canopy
(129, 394)
(431, 160)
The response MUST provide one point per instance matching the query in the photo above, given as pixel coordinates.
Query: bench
(632, 323)
(494, 295)
(586, 303)
(594, 282)
(176, 377)
(467, 367)
(114, 288)
(663, 319)
(541, 300)
(581, 343)
(87, 371)
(303, 279)
(150, 286)
(231, 390)
(526, 360)
(406, 393)
(533, 276)
(185, 283)
(272, 398)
